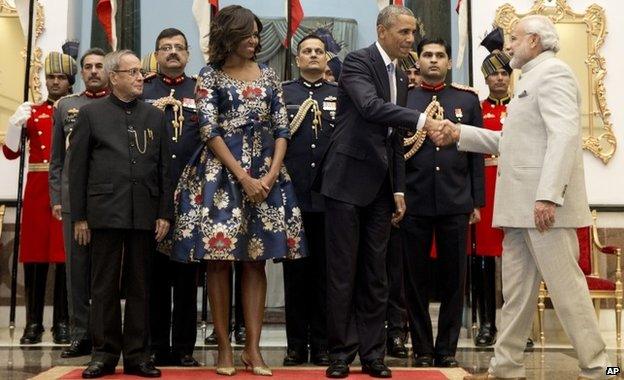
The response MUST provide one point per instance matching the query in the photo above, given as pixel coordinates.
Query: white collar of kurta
(537, 60)
(385, 56)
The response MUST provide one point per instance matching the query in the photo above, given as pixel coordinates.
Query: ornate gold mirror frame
(581, 35)
(7, 9)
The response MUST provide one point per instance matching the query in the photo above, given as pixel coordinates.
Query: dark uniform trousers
(35, 277)
(113, 252)
(396, 314)
(78, 281)
(418, 233)
(356, 242)
(305, 290)
(182, 321)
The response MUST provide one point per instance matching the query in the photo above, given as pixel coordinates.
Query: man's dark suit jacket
(361, 154)
(111, 183)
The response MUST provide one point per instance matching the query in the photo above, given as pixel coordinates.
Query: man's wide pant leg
(528, 253)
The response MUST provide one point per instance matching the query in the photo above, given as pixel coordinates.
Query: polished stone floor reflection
(556, 361)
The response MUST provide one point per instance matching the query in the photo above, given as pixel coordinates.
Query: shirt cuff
(421, 121)
(399, 193)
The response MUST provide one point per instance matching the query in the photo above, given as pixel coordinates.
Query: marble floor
(555, 361)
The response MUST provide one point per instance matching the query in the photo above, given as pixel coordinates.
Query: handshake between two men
(441, 132)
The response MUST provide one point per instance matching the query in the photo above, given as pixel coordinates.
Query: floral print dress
(215, 220)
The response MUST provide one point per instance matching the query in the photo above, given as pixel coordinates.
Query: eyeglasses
(169, 48)
(134, 72)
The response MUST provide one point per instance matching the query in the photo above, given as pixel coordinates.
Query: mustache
(173, 56)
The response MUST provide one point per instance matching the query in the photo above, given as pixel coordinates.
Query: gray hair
(387, 15)
(544, 28)
(112, 59)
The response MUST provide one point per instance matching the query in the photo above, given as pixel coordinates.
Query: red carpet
(68, 373)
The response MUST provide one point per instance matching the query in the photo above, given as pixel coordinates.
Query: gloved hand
(21, 115)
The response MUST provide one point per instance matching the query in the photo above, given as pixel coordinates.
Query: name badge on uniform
(44, 116)
(189, 103)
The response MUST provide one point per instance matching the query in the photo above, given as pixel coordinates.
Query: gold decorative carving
(598, 136)
(6, 10)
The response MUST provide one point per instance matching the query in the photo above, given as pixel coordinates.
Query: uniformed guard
(311, 106)
(410, 66)
(41, 240)
(444, 189)
(489, 241)
(173, 91)
(121, 202)
(77, 257)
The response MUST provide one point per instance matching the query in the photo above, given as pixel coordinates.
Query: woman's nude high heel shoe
(225, 371)
(259, 370)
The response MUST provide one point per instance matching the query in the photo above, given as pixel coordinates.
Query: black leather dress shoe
(295, 357)
(162, 358)
(145, 369)
(396, 347)
(424, 360)
(320, 357)
(446, 361)
(211, 339)
(240, 334)
(377, 368)
(187, 360)
(32, 334)
(338, 369)
(77, 348)
(486, 336)
(60, 333)
(97, 369)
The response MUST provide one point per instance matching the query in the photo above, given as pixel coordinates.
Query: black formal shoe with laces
(60, 333)
(240, 334)
(187, 360)
(211, 340)
(446, 361)
(97, 369)
(486, 336)
(338, 369)
(77, 348)
(145, 369)
(396, 347)
(376, 368)
(320, 357)
(295, 357)
(424, 360)
(32, 334)
(162, 358)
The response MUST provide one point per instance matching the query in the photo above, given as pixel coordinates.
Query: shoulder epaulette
(64, 97)
(332, 83)
(149, 76)
(288, 82)
(463, 87)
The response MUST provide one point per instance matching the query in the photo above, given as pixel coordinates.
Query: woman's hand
(255, 189)
(268, 181)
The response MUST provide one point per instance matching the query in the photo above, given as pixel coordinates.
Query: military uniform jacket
(540, 148)
(119, 165)
(41, 239)
(65, 115)
(307, 146)
(443, 180)
(187, 141)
